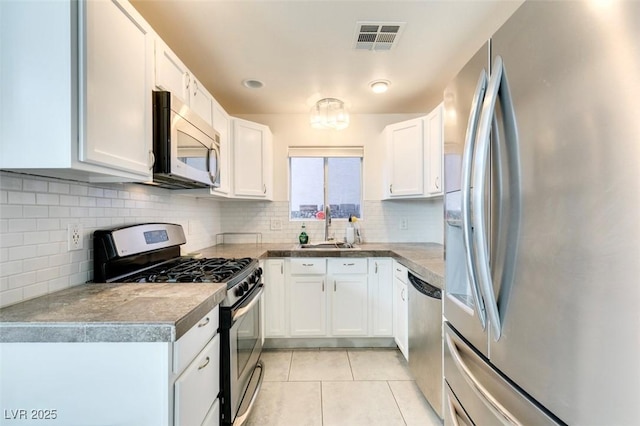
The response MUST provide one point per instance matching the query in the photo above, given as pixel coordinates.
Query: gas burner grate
(208, 270)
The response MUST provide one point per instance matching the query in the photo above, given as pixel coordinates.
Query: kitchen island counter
(110, 313)
(424, 259)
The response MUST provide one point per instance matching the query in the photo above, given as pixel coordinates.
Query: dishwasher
(425, 340)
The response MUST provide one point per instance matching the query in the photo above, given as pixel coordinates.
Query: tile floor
(339, 387)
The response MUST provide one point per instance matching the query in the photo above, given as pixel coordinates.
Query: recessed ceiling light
(379, 86)
(252, 84)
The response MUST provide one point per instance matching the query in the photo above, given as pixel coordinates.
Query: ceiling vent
(377, 36)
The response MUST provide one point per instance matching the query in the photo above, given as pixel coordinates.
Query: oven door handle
(245, 309)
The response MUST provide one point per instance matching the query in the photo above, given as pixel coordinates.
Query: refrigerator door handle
(485, 396)
(467, 159)
(479, 174)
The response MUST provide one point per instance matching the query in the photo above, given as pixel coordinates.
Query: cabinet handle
(348, 264)
(391, 189)
(402, 295)
(188, 77)
(323, 286)
(195, 87)
(398, 269)
(202, 324)
(376, 267)
(282, 268)
(264, 188)
(206, 362)
(307, 264)
(152, 158)
(437, 182)
(334, 286)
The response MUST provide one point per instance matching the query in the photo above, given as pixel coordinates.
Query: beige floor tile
(276, 365)
(367, 403)
(320, 365)
(378, 364)
(415, 409)
(287, 403)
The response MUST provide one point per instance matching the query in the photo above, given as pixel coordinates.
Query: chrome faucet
(327, 222)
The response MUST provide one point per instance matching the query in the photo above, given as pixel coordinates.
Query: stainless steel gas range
(150, 253)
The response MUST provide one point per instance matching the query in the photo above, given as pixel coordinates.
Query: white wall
(34, 213)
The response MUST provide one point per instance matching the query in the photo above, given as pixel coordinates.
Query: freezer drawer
(485, 395)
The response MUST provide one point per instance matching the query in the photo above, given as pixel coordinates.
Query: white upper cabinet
(222, 123)
(252, 160)
(414, 149)
(434, 134)
(76, 90)
(171, 74)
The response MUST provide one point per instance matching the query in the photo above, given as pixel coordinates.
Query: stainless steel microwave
(186, 148)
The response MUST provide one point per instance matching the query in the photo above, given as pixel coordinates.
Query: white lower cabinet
(198, 386)
(123, 383)
(349, 298)
(307, 297)
(381, 297)
(275, 313)
(401, 308)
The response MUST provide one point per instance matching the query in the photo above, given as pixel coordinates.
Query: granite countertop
(164, 312)
(110, 313)
(424, 259)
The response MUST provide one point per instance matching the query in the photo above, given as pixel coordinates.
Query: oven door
(195, 155)
(245, 344)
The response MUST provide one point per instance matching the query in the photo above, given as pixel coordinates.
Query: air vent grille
(377, 36)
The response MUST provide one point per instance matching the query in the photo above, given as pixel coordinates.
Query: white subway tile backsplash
(58, 187)
(33, 227)
(21, 197)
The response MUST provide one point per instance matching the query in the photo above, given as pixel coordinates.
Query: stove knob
(245, 286)
(238, 291)
(259, 272)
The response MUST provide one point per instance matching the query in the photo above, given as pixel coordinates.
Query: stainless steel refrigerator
(542, 234)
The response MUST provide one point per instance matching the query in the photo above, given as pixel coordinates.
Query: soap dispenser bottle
(350, 231)
(303, 237)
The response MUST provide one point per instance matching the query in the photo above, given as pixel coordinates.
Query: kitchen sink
(329, 245)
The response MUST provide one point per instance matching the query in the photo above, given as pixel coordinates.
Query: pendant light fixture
(329, 113)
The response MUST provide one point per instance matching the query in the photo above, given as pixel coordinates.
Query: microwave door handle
(216, 175)
(467, 159)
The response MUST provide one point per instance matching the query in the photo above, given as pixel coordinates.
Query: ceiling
(304, 50)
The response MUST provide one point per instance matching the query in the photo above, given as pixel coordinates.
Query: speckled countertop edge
(110, 313)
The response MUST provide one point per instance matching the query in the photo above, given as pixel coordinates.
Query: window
(322, 177)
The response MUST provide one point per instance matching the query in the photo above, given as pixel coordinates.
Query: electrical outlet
(404, 224)
(74, 236)
(276, 224)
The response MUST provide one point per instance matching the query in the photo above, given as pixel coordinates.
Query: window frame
(326, 153)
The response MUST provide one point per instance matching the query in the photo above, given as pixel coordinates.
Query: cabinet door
(349, 303)
(434, 139)
(197, 388)
(307, 305)
(274, 298)
(249, 158)
(381, 297)
(406, 150)
(221, 124)
(201, 101)
(171, 74)
(401, 326)
(116, 61)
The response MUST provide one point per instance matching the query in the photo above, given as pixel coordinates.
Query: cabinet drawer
(197, 388)
(194, 340)
(400, 272)
(347, 266)
(308, 266)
